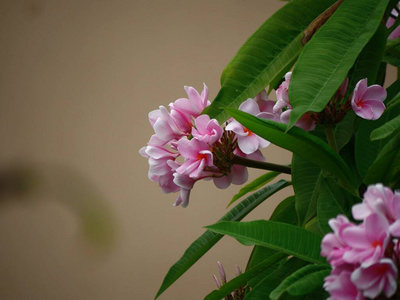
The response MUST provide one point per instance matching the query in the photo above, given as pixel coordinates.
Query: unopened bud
(217, 281)
(221, 272)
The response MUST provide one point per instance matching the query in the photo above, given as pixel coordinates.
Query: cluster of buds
(365, 257)
(237, 294)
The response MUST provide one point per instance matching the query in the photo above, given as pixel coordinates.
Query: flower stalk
(237, 160)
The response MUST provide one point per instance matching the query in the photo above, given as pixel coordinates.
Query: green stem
(330, 136)
(237, 160)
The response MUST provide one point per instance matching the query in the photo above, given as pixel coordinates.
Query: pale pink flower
(282, 95)
(374, 278)
(164, 125)
(390, 22)
(159, 170)
(368, 241)
(378, 199)
(266, 107)
(333, 246)
(197, 156)
(340, 287)
(248, 141)
(237, 175)
(306, 121)
(184, 110)
(206, 130)
(185, 184)
(367, 102)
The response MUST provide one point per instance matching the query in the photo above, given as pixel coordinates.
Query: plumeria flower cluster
(365, 257)
(366, 101)
(188, 146)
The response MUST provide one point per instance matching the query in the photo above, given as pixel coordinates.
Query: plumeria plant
(338, 236)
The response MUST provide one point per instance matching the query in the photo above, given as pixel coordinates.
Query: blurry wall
(79, 218)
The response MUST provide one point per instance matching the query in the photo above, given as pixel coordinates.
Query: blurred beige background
(77, 81)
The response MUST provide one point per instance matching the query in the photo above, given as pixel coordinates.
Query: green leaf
(254, 185)
(262, 290)
(285, 212)
(369, 61)
(242, 279)
(386, 130)
(366, 151)
(327, 58)
(299, 142)
(303, 281)
(344, 130)
(306, 183)
(332, 201)
(208, 239)
(386, 168)
(267, 53)
(286, 238)
(392, 52)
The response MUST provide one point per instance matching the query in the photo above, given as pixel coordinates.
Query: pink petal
(376, 107)
(239, 174)
(248, 144)
(250, 106)
(236, 127)
(361, 211)
(360, 88)
(356, 237)
(223, 182)
(375, 92)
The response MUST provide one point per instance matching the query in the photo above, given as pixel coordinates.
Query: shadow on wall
(25, 181)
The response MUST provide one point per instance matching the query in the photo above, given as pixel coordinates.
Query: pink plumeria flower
(367, 102)
(185, 184)
(266, 107)
(206, 130)
(184, 110)
(306, 121)
(248, 141)
(374, 278)
(164, 125)
(378, 199)
(340, 287)
(333, 246)
(197, 156)
(390, 22)
(368, 241)
(159, 171)
(282, 95)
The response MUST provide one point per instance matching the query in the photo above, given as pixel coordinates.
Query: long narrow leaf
(387, 129)
(326, 59)
(285, 212)
(267, 53)
(286, 238)
(254, 185)
(306, 185)
(303, 281)
(208, 239)
(262, 290)
(332, 201)
(299, 142)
